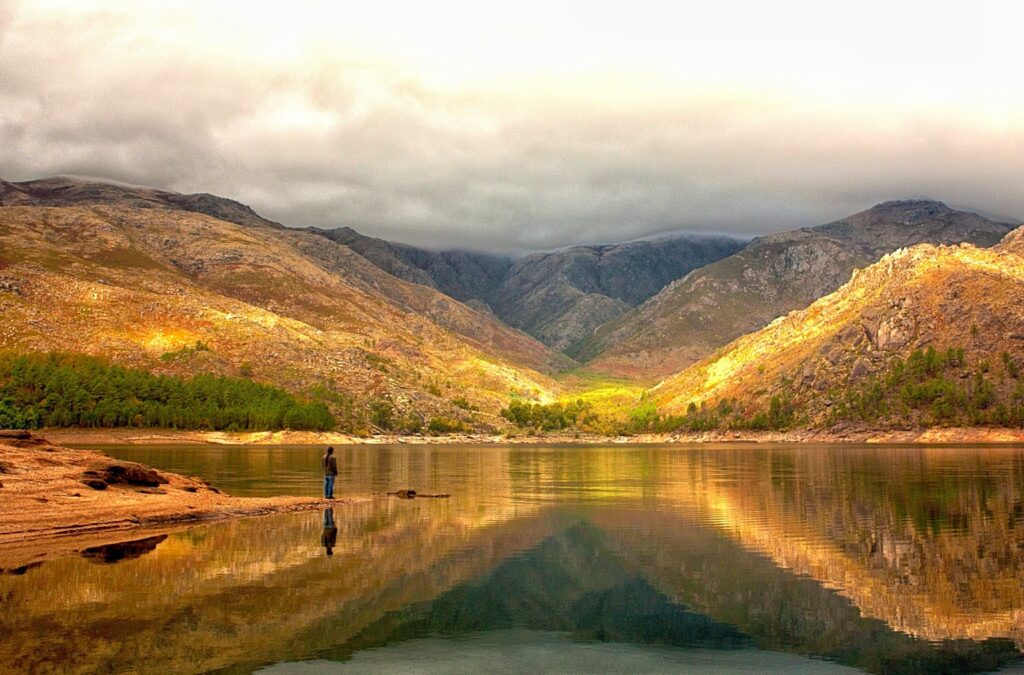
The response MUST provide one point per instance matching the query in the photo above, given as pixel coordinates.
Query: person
(330, 464)
(329, 537)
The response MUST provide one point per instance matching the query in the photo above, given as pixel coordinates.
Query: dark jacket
(330, 463)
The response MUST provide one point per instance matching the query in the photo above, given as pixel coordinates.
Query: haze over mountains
(198, 283)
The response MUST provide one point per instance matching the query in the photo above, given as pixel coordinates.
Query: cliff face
(773, 275)
(946, 297)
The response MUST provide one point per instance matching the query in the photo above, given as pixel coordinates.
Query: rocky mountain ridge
(559, 297)
(73, 191)
(773, 275)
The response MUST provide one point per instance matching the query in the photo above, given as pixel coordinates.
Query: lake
(717, 558)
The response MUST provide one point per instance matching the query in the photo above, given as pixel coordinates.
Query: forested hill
(63, 390)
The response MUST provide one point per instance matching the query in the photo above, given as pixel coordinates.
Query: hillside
(183, 293)
(929, 335)
(773, 275)
(558, 297)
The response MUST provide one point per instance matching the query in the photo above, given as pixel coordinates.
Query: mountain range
(182, 284)
(560, 297)
(773, 275)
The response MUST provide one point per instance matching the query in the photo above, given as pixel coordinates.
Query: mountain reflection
(887, 559)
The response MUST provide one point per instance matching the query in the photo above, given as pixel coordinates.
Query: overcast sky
(525, 127)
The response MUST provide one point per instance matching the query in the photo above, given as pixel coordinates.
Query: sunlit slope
(695, 315)
(143, 286)
(943, 296)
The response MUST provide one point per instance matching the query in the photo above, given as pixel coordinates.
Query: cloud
(436, 135)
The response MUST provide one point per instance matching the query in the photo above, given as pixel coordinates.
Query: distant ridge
(559, 297)
(773, 275)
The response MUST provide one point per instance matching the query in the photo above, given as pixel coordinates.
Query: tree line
(72, 390)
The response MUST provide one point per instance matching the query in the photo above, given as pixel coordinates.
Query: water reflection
(329, 537)
(885, 559)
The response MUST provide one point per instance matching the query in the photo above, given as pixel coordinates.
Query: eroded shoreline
(849, 434)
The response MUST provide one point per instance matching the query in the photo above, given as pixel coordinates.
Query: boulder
(131, 473)
(95, 483)
(860, 368)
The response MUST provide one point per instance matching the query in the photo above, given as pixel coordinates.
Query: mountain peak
(81, 191)
(909, 211)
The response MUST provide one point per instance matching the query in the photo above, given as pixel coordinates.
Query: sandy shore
(849, 434)
(55, 499)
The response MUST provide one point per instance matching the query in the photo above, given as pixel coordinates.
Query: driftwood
(412, 494)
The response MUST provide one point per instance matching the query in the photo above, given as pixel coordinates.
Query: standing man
(330, 463)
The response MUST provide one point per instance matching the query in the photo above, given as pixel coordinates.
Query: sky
(527, 125)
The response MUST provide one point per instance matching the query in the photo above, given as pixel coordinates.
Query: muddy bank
(847, 434)
(55, 499)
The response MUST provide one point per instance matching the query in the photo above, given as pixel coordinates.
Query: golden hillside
(947, 297)
(147, 286)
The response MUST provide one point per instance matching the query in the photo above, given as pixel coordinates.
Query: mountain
(463, 275)
(561, 297)
(558, 297)
(929, 335)
(182, 292)
(73, 191)
(774, 274)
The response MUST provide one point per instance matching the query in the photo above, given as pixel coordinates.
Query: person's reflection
(329, 537)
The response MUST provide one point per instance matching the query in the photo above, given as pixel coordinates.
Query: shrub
(445, 425)
(382, 415)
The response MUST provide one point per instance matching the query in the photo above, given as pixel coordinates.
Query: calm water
(549, 559)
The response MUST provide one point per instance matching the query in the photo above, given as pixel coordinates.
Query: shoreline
(839, 435)
(57, 500)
